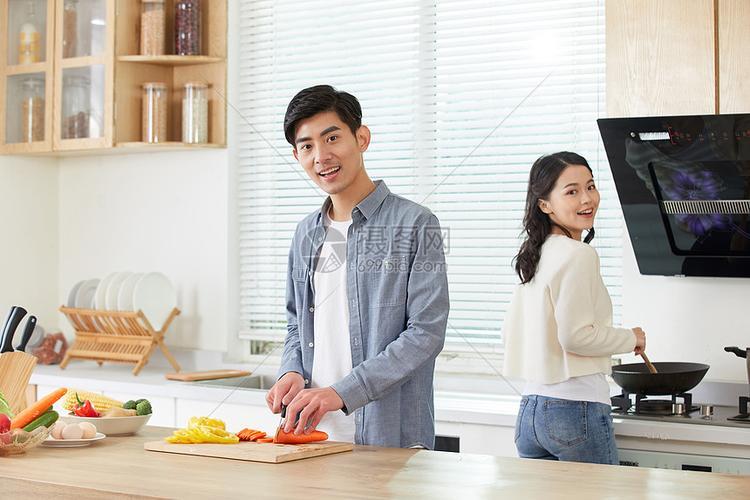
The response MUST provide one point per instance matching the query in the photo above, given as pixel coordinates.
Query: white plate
(156, 297)
(85, 294)
(72, 294)
(125, 297)
(71, 443)
(101, 292)
(113, 289)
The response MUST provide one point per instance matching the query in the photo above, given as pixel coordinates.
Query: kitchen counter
(120, 466)
(484, 409)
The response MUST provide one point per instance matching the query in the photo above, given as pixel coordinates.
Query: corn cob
(100, 402)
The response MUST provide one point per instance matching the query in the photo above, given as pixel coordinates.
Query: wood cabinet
(667, 61)
(733, 63)
(77, 86)
(27, 36)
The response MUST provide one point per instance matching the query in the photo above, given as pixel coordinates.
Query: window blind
(461, 97)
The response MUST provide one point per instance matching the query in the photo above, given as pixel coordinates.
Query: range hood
(684, 188)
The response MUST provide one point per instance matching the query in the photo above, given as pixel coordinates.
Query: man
(367, 294)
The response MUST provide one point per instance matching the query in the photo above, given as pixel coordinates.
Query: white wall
(689, 319)
(162, 212)
(28, 247)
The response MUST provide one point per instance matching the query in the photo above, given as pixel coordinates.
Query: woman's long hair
(536, 224)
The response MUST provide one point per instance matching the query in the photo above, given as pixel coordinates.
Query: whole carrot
(35, 409)
(291, 438)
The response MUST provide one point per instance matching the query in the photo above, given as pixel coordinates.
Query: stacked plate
(151, 293)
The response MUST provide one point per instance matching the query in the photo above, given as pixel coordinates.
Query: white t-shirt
(584, 388)
(332, 360)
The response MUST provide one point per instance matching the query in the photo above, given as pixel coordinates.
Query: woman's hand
(640, 340)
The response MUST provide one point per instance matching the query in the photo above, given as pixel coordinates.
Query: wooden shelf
(27, 69)
(165, 146)
(171, 60)
(119, 96)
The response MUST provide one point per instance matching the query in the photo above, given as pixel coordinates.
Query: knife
(27, 331)
(282, 421)
(15, 316)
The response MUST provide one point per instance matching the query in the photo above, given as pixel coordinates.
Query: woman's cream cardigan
(559, 325)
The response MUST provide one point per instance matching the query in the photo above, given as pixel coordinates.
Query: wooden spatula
(649, 364)
(15, 373)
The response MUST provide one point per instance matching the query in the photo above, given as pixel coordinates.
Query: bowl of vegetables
(111, 417)
(30, 427)
(18, 440)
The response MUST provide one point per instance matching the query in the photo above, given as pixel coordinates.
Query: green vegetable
(5, 407)
(140, 401)
(46, 419)
(143, 408)
(130, 405)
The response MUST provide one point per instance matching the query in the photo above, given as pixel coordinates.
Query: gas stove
(677, 408)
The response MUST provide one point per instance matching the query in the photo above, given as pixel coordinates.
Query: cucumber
(46, 419)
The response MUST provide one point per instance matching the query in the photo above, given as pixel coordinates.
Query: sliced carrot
(264, 440)
(247, 434)
(291, 438)
(256, 435)
(35, 409)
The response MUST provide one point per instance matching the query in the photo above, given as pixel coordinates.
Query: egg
(72, 431)
(57, 430)
(89, 430)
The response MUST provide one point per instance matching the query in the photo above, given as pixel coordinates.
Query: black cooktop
(659, 409)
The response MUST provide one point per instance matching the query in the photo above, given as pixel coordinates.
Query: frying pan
(673, 378)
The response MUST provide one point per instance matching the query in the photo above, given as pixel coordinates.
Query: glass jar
(154, 112)
(32, 110)
(70, 28)
(76, 107)
(29, 38)
(187, 27)
(195, 113)
(152, 27)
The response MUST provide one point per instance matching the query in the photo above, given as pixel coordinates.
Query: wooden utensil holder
(116, 336)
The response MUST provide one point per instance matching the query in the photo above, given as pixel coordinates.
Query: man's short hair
(319, 99)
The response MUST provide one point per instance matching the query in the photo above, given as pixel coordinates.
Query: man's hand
(284, 391)
(311, 405)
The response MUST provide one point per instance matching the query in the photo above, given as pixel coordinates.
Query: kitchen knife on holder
(27, 331)
(15, 316)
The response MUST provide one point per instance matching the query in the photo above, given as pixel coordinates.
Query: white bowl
(111, 426)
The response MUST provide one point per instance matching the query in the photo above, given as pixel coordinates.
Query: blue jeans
(561, 429)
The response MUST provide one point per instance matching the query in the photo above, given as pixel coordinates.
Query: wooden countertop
(120, 466)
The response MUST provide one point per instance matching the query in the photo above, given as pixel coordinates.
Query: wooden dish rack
(116, 336)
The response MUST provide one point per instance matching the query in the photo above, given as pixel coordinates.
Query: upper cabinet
(27, 38)
(84, 74)
(112, 75)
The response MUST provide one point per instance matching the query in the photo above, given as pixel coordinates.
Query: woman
(558, 331)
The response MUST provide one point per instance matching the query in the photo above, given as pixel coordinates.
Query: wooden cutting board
(207, 375)
(253, 452)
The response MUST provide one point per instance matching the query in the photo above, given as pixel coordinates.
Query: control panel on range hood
(684, 187)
